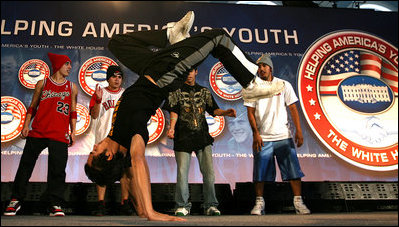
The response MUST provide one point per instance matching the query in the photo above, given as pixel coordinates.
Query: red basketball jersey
(52, 116)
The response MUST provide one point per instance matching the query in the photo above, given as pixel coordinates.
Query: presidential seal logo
(94, 71)
(32, 71)
(348, 90)
(13, 113)
(215, 124)
(224, 84)
(83, 119)
(156, 125)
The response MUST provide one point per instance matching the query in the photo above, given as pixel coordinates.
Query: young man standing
(53, 108)
(189, 131)
(102, 105)
(271, 137)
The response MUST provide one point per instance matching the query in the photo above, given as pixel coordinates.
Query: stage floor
(384, 218)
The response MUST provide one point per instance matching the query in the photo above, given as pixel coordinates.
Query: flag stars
(312, 102)
(317, 116)
(309, 88)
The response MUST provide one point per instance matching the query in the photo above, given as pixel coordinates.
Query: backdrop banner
(342, 63)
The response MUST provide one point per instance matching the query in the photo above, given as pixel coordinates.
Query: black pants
(57, 161)
(167, 66)
(176, 61)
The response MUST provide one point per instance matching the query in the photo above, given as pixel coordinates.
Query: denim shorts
(287, 160)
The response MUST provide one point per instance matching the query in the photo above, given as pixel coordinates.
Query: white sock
(297, 198)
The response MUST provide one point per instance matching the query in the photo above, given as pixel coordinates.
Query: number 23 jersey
(53, 113)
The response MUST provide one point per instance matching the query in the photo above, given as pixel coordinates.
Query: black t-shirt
(190, 103)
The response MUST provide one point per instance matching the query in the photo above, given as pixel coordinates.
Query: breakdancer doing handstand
(160, 72)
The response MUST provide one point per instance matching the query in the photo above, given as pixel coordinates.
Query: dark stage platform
(386, 218)
(331, 203)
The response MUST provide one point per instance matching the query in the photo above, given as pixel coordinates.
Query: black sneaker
(101, 211)
(125, 208)
(56, 211)
(12, 208)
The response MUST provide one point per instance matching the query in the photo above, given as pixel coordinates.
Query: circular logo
(13, 113)
(215, 124)
(365, 94)
(32, 71)
(82, 120)
(155, 126)
(348, 90)
(223, 83)
(94, 71)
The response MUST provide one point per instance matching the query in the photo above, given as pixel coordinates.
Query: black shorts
(133, 110)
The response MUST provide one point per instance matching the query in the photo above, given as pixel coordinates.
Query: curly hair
(104, 172)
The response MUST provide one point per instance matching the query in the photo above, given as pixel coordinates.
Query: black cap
(114, 70)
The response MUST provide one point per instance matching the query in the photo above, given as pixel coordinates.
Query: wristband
(74, 115)
(98, 101)
(31, 111)
(173, 118)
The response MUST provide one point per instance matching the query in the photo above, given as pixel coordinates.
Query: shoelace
(259, 204)
(300, 205)
(264, 82)
(13, 203)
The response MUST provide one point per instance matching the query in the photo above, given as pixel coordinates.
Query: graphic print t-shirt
(190, 103)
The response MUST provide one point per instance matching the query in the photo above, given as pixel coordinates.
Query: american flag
(355, 62)
(6, 107)
(96, 66)
(37, 67)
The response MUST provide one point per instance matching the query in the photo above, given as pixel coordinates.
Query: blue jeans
(205, 161)
(287, 160)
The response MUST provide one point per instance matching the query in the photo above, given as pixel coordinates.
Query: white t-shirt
(102, 124)
(271, 114)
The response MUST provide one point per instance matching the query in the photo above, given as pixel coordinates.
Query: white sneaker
(300, 207)
(259, 88)
(181, 211)
(12, 208)
(56, 211)
(212, 211)
(177, 31)
(259, 208)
